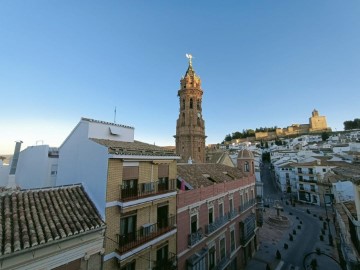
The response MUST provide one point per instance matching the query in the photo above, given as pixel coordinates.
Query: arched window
(183, 104)
(183, 119)
(246, 166)
(198, 104)
(198, 121)
(191, 103)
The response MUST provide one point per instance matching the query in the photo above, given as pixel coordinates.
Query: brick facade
(197, 202)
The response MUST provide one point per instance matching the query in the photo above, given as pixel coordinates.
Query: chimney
(11, 181)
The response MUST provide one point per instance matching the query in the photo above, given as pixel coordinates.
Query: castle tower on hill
(190, 126)
(317, 122)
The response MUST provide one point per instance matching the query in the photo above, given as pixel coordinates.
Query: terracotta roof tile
(207, 174)
(29, 218)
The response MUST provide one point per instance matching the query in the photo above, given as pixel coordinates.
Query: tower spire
(190, 126)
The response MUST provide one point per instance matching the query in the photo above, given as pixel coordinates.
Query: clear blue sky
(262, 63)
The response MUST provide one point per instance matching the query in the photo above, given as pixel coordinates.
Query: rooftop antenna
(115, 115)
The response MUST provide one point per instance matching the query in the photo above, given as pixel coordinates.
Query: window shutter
(163, 170)
(131, 172)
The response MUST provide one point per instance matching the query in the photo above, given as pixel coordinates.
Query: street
(306, 224)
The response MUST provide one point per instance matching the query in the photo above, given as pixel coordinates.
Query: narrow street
(305, 226)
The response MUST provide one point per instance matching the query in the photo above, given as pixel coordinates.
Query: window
(127, 229)
(54, 169)
(193, 225)
(311, 171)
(211, 215)
(129, 266)
(191, 103)
(312, 188)
(232, 241)
(222, 248)
(231, 205)
(198, 104)
(324, 170)
(129, 188)
(300, 178)
(212, 257)
(299, 170)
(199, 148)
(183, 104)
(246, 166)
(198, 121)
(183, 119)
(221, 209)
(301, 186)
(162, 256)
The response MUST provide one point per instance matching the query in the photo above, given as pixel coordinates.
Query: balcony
(132, 240)
(219, 222)
(221, 263)
(246, 238)
(142, 190)
(232, 214)
(195, 237)
(247, 205)
(168, 263)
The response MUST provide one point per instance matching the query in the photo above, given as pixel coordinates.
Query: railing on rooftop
(146, 189)
(134, 239)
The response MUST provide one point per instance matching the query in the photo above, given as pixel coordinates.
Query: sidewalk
(273, 237)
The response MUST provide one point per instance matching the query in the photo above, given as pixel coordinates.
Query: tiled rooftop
(207, 174)
(134, 148)
(34, 217)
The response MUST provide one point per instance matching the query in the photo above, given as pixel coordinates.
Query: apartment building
(133, 185)
(311, 187)
(217, 225)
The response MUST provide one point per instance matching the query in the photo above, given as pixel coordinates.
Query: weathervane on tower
(189, 56)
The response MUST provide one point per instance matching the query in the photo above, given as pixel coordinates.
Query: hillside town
(104, 200)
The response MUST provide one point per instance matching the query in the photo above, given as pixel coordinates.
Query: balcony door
(127, 229)
(162, 257)
(162, 216)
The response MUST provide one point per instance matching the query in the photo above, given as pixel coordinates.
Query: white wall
(4, 174)
(101, 130)
(84, 161)
(34, 168)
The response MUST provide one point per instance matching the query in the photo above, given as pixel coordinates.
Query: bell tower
(190, 126)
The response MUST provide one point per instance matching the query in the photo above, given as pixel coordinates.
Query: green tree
(325, 136)
(228, 138)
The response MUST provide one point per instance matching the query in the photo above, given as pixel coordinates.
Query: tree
(228, 138)
(352, 124)
(325, 136)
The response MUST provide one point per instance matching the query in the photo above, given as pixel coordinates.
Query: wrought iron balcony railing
(245, 239)
(247, 205)
(141, 190)
(232, 214)
(195, 237)
(222, 262)
(148, 232)
(168, 263)
(220, 221)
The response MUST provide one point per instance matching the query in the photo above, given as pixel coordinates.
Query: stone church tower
(190, 126)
